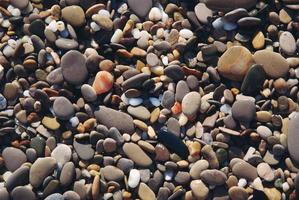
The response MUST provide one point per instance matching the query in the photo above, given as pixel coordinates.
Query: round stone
(202, 13)
(287, 43)
(13, 158)
(265, 172)
(134, 178)
(243, 110)
(112, 173)
(235, 63)
(191, 104)
(237, 193)
(141, 11)
(199, 189)
(103, 82)
(63, 108)
(19, 4)
(55, 196)
(62, 153)
(135, 153)
(74, 15)
(73, 65)
(213, 177)
(23, 192)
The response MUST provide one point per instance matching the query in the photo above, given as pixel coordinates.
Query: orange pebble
(176, 108)
(103, 82)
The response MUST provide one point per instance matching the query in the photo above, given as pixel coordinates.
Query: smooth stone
(4, 195)
(168, 99)
(19, 4)
(264, 132)
(10, 91)
(134, 178)
(3, 102)
(37, 28)
(125, 165)
(63, 108)
(293, 137)
(258, 41)
(198, 167)
(62, 154)
(140, 11)
(155, 14)
(243, 110)
(270, 158)
(181, 90)
(40, 169)
(135, 153)
(287, 43)
(13, 158)
(191, 104)
(55, 76)
(229, 5)
(73, 65)
(22, 192)
(20, 177)
(135, 81)
(173, 126)
(84, 151)
(213, 177)
(199, 189)
(265, 172)
(245, 170)
(175, 72)
(272, 193)
(273, 63)
(116, 135)
(103, 21)
(66, 44)
(139, 112)
(112, 173)
(74, 15)
(236, 14)
(173, 143)
(103, 82)
(67, 174)
(182, 178)
(152, 59)
(55, 196)
(237, 193)
(235, 63)
(202, 13)
(145, 192)
(71, 195)
(248, 22)
(88, 93)
(50, 123)
(253, 81)
(112, 118)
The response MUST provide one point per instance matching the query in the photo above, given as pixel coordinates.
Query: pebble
(199, 189)
(135, 153)
(84, 151)
(265, 172)
(66, 44)
(134, 178)
(272, 193)
(191, 104)
(213, 177)
(235, 63)
(23, 192)
(63, 108)
(293, 137)
(103, 82)
(229, 5)
(13, 158)
(67, 174)
(198, 167)
(4, 194)
(255, 75)
(112, 118)
(62, 153)
(88, 92)
(243, 169)
(140, 11)
(40, 169)
(237, 193)
(19, 4)
(112, 173)
(74, 15)
(50, 123)
(264, 132)
(139, 112)
(103, 21)
(202, 13)
(174, 72)
(73, 66)
(258, 41)
(55, 196)
(273, 63)
(243, 111)
(287, 43)
(145, 193)
(18, 178)
(155, 14)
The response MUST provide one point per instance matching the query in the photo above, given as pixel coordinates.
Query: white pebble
(164, 17)
(74, 121)
(118, 34)
(94, 26)
(35, 124)
(135, 101)
(104, 13)
(8, 51)
(60, 26)
(155, 14)
(1, 72)
(6, 175)
(242, 182)
(53, 26)
(225, 108)
(8, 112)
(136, 33)
(186, 33)
(12, 43)
(123, 8)
(165, 60)
(168, 175)
(26, 93)
(156, 102)
(134, 178)
(124, 99)
(16, 12)
(5, 23)
(285, 186)
(10, 8)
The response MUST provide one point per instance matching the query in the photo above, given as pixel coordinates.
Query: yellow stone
(50, 123)
(145, 192)
(272, 193)
(258, 41)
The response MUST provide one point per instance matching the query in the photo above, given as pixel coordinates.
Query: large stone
(135, 153)
(74, 15)
(235, 63)
(112, 118)
(293, 137)
(140, 7)
(63, 108)
(253, 80)
(191, 104)
(13, 158)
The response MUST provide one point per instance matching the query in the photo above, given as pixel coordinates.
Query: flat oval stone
(135, 81)
(199, 189)
(229, 5)
(88, 93)
(273, 63)
(287, 43)
(213, 177)
(168, 99)
(40, 169)
(181, 90)
(73, 65)
(198, 167)
(62, 153)
(71, 195)
(135, 153)
(140, 11)
(175, 72)
(253, 81)
(66, 44)
(145, 192)
(235, 63)
(55, 196)
(173, 143)
(134, 178)
(112, 173)
(19, 177)
(293, 137)
(139, 112)
(243, 110)
(84, 151)
(191, 104)
(74, 15)
(202, 12)
(19, 4)
(237, 193)
(67, 174)
(13, 158)
(63, 108)
(23, 192)
(245, 170)
(112, 118)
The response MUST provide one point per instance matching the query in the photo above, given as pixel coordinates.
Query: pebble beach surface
(142, 99)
